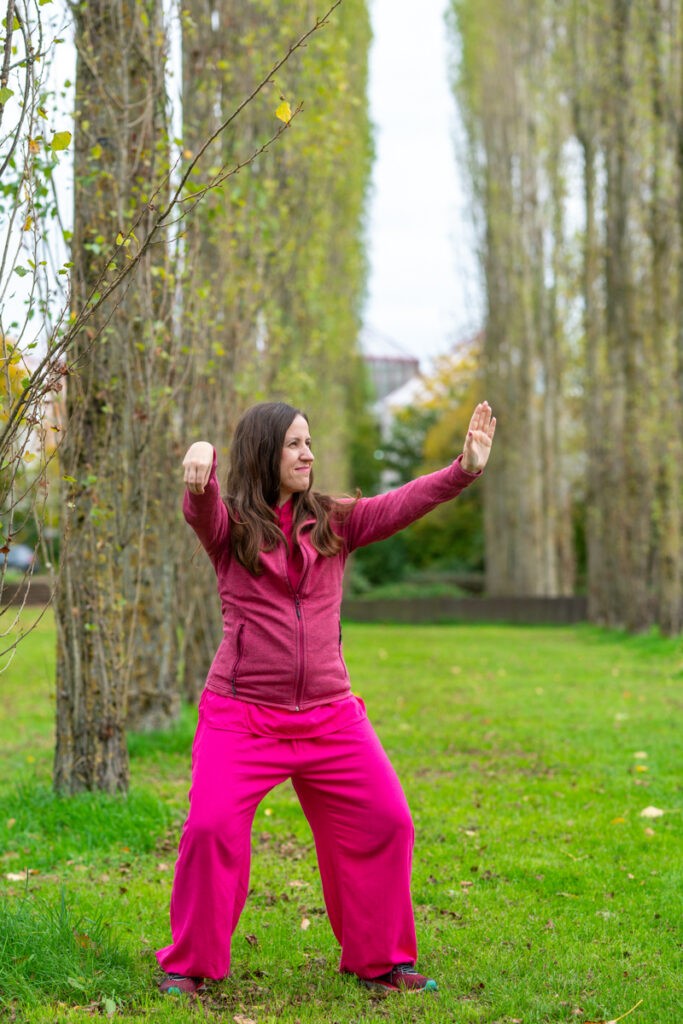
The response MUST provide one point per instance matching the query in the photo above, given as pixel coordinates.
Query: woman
(278, 703)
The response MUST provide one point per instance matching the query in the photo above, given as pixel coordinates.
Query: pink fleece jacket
(282, 647)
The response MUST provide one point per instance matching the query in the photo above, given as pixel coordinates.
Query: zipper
(237, 659)
(299, 683)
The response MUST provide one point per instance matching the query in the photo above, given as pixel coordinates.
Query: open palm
(479, 438)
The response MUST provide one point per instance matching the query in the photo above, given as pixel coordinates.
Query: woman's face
(296, 460)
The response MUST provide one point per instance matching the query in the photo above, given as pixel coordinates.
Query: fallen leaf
(239, 1018)
(305, 924)
(651, 812)
(21, 876)
(642, 768)
(649, 831)
(641, 755)
(617, 821)
(83, 940)
(252, 940)
(11, 822)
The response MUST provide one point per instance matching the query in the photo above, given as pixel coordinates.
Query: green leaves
(5, 94)
(60, 141)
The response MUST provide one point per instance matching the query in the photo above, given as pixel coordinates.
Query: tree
(121, 51)
(275, 264)
(515, 137)
(606, 293)
(109, 456)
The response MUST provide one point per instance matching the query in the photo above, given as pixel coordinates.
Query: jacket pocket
(239, 651)
(340, 651)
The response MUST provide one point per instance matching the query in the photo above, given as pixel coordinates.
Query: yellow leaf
(617, 821)
(119, 239)
(33, 146)
(284, 112)
(60, 140)
(28, 223)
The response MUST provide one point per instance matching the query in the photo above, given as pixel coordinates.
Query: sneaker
(401, 978)
(179, 984)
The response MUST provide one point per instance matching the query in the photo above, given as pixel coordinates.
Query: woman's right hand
(197, 466)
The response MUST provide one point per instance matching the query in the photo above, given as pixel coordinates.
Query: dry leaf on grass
(651, 812)
(21, 876)
(305, 924)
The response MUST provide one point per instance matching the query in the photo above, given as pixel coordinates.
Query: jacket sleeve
(379, 517)
(207, 515)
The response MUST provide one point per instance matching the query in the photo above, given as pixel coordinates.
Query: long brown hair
(254, 488)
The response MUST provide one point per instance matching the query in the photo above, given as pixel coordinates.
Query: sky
(424, 294)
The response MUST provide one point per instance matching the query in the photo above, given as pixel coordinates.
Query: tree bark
(114, 593)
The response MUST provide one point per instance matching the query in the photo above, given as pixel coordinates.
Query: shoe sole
(379, 986)
(175, 990)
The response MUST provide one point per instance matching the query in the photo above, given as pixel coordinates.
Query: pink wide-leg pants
(363, 834)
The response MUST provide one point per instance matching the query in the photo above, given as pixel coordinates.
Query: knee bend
(208, 828)
(395, 825)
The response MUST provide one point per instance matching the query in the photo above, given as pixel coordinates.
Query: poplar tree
(112, 613)
(275, 262)
(611, 77)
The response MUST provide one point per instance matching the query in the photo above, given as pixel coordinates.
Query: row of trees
(574, 123)
(207, 270)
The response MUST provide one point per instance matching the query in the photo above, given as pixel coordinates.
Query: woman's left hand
(479, 439)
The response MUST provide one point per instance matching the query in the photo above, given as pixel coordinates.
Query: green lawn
(542, 894)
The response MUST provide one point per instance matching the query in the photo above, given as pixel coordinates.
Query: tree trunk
(113, 593)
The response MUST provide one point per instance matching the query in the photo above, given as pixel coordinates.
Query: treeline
(574, 123)
(212, 264)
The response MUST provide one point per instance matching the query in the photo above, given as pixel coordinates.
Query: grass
(542, 895)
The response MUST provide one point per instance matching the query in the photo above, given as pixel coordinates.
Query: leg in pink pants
(363, 835)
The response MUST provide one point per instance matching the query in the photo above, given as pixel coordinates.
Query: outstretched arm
(479, 439)
(376, 518)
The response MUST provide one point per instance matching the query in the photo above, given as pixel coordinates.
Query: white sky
(423, 291)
